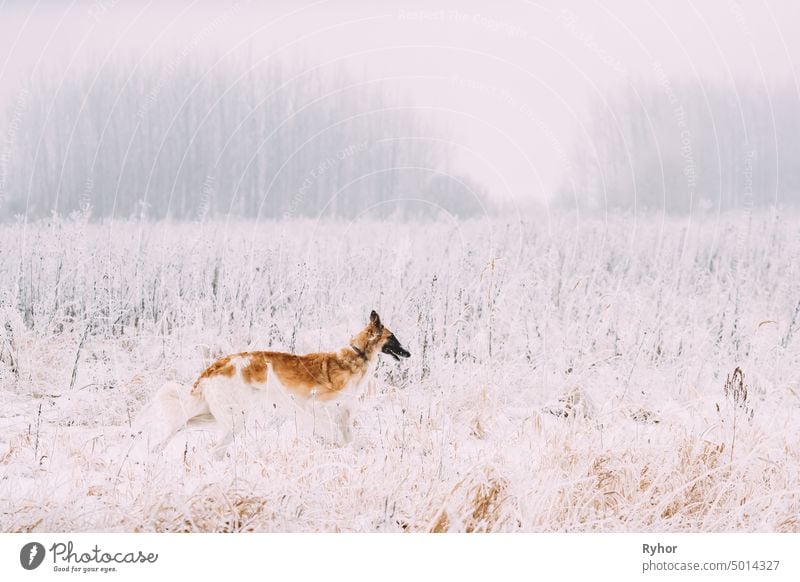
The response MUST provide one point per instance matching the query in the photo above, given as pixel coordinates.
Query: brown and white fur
(247, 385)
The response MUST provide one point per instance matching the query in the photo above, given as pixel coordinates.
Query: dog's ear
(375, 320)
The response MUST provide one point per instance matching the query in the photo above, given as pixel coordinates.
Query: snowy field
(566, 375)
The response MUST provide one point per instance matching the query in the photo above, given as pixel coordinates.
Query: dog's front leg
(344, 423)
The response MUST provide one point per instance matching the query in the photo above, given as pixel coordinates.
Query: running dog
(328, 385)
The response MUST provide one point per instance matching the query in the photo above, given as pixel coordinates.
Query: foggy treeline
(187, 141)
(684, 148)
(285, 138)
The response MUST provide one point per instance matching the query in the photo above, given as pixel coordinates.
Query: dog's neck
(363, 346)
(359, 352)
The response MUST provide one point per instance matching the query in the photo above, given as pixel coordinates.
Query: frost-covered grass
(566, 375)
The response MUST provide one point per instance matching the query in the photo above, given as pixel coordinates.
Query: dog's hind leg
(224, 439)
(228, 409)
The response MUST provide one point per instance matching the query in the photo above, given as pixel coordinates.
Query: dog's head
(377, 338)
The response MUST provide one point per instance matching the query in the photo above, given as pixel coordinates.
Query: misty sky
(513, 79)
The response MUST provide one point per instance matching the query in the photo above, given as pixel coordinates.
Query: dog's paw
(359, 444)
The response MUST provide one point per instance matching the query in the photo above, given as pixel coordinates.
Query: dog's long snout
(394, 349)
(402, 352)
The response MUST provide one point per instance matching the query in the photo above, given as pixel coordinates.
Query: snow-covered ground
(566, 375)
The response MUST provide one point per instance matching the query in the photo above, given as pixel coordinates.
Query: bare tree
(186, 141)
(684, 148)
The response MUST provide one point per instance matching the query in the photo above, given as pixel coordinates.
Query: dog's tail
(172, 407)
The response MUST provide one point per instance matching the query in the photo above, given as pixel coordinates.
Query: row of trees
(188, 141)
(683, 148)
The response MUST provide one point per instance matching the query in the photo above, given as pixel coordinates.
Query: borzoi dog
(326, 385)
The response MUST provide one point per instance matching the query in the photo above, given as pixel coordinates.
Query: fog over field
(582, 221)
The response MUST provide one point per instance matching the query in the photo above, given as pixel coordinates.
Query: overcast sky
(512, 78)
